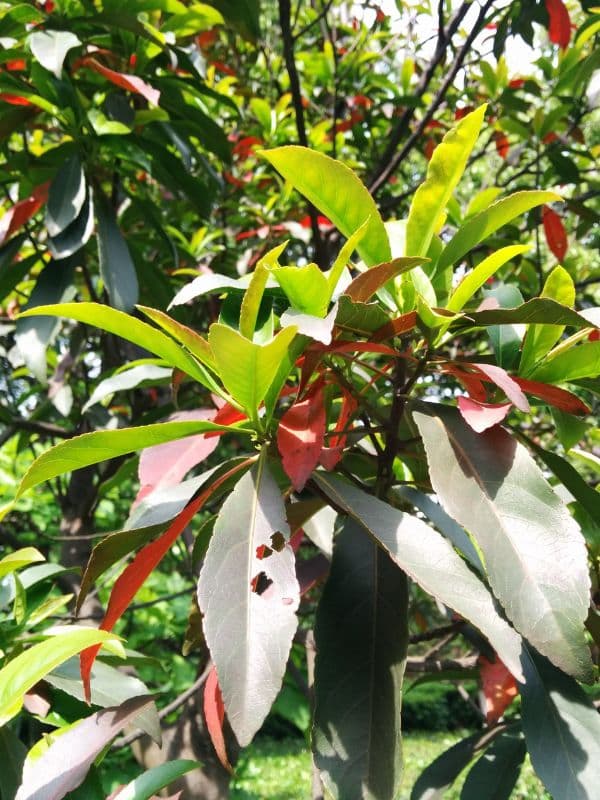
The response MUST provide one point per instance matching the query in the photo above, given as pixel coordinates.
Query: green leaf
(338, 193)
(110, 687)
(540, 310)
(51, 47)
(479, 227)
(28, 668)
(582, 361)
(75, 235)
(249, 634)
(92, 448)
(361, 318)
(12, 757)
(534, 553)
(66, 196)
(495, 774)
(19, 559)
(129, 328)
(477, 277)
(361, 632)
(196, 344)
(430, 560)
(128, 379)
(145, 786)
(248, 369)
(244, 16)
(254, 293)
(539, 339)
(116, 265)
(562, 730)
(306, 288)
(343, 257)
(445, 169)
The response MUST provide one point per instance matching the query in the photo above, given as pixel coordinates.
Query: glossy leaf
(539, 339)
(30, 666)
(429, 559)
(540, 310)
(125, 380)
(116, 265)
(361, 639)
(553, 395)
(51, 47)
(582, 361)
(482, 225)
(64, 765)
(250, 634)
(301, 436)
(66, 196)
(445, 170)
(75, 235)
(562, 730)
(129, 328)
(477, 277)
(534, 554)
(19, 559)
(364, 286)
(145, 786)
(336, 192)
(496, 772)
(306, 288)
(248, 369)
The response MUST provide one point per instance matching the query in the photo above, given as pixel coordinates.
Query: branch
(434, 665)
(43, 428)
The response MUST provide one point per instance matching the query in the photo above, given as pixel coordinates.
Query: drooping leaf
(300, 437)
(66, 196)
(361, 638)
(534, 554)
(482, 225)
(540, 310)
(559, 398)
(116, 265)
(64, 765)
(559, 30)
(248, 369)
(445, 170)
(496, 772)
(481, 416)
(76, 234)
(109, 687)
(429, 559)
(133, 330)
(145, 786)
(562, 730)
(127, 379)
(29, 667)
(249, 634)
(498, 686)
(336, 192)
(51, 47)
(214, 714)
(129, 82)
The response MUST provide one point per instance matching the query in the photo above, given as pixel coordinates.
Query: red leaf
(22, 211)
(503, 380)
(516, 83)
(14, 99)
(481, 416)
(555, 233)
(214, 714)
(331, 455)
(502, 145)
(559, 398)
(498, 686)
(226, 415)
(300, 437)
(462, 112)
(396, 327)
(132, 578)
(130, 82)
(559, 29)
(167, 464)
(472, 383)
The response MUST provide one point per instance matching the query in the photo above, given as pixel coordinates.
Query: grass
(281, 770)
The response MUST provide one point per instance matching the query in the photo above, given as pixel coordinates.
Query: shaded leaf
(75, 235)
(116, 265)
(361, 639)
(534, 553)
(127, 379)
(12, 757)
(66, 196)
(541, 310)
(498, 686)
(300, 437)
(250, 634)
(214, 714)
(22, 211)
(495, 774)
(153, 780)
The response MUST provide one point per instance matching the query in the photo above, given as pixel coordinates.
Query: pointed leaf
(129, 82)
(343, 257)
(495, 774)
(300, 437)
(22, 211)
(444, 171)
(306, 288)
(364, 286)
(30, 666)
(250, 634)
(479, 227)
(128, 379)
(559, 30)
(338, 193)
(214, 714)
(559, 398)
(476, 278)
(562, 730)
(66, 196)
(116, 265)
(582, 361)
(64, 765)
(145, 786)
(19, 559)
(51, 47)
(541, 310)
(534, 553)
(361, 639)
(196, 344)
(428, 559)
(75, 235)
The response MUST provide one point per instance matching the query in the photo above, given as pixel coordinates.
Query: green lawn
(281, 770)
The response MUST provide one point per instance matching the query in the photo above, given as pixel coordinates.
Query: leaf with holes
(534, 553)
(249, 594)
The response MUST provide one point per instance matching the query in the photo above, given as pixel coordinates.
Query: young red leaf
(226, 415)
(331, 455)
(559, 29)
(214, 714)
(300, 437)
(130, 82)
(498, 686)
(481, 416)
(504, 381)
(555, 233)
(396, 327)
(23, 211)
(473, 384)
(130, 581)
(364, 286)
(502, 145)
(14, 99)
(559, 398)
